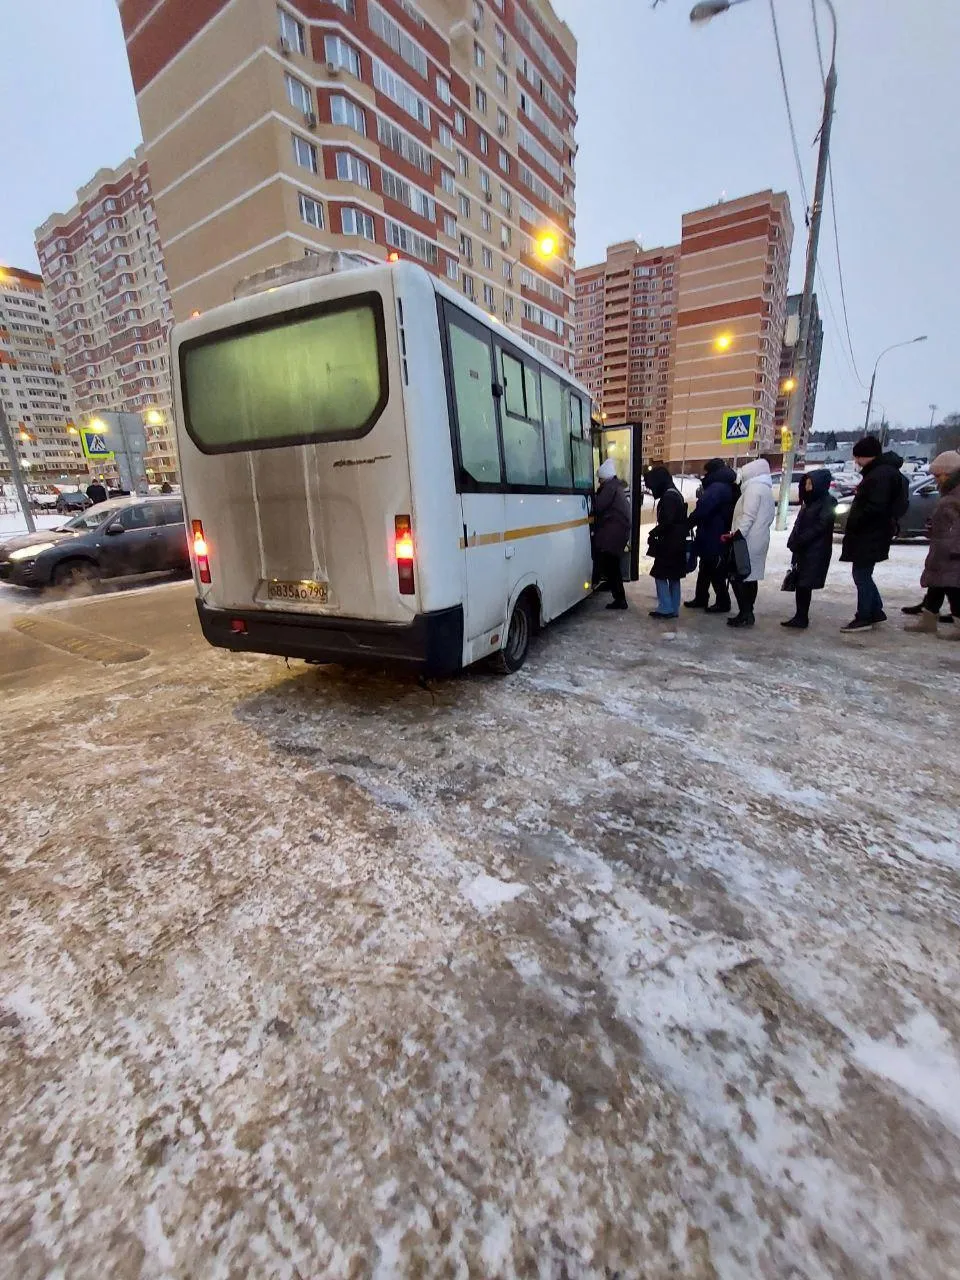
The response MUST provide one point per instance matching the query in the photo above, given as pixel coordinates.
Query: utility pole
(933, 410)
(6, 440)
(798, 401)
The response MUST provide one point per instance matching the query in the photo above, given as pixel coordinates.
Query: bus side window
(476, 407)
(556, 430)
(521, 424)
(580, 448)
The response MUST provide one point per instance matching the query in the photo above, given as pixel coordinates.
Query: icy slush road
(644, 962)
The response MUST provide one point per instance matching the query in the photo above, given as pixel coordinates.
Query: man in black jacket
(96, 492)
(872, 526)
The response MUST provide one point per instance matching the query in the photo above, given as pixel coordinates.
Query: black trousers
(712, 573)
(804, 596)
(933, 600)
(608, 569)
(746, 594)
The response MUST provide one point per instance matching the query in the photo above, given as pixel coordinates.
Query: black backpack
(901, 500)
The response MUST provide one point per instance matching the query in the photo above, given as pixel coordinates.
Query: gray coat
(942, 568)
(611, 518)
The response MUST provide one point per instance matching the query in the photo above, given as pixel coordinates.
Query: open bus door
(625, 446)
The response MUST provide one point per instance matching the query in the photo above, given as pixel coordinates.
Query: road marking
(78, 641)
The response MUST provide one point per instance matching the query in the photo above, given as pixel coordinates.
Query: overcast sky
(671, 118)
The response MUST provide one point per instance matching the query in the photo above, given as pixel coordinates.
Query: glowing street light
(547, 246)
(723, 341)
(154, 418)
(789, 384)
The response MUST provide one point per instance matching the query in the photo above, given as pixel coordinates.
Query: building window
(298, 95)
(341, 54)
(506, 200)
(443, 89)
(411, 242)
(463, 165)
(445, 136)
(503, 160)
(503, 124)
(502, 83)
(351, 168)
(345, 112)
(449, 225)
(466, 284)
(447, 182)
(481, 99)
(304, 153)
(485, 220)
(486, 256)
(311, 211)
(489, 297)
(501, 36)
(291, 32)
(391, 34)
(354, 222)
(460, 123)
(464, 206)
(453, 268)
(466, 248)
(508, 271)
(479, 55)
(398, 91)
(484, 142)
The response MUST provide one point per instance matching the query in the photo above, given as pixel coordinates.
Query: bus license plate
(304, 592)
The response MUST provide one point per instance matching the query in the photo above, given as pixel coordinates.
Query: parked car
(42, 497)
(916, 523)
(72, 500)
(113, 539)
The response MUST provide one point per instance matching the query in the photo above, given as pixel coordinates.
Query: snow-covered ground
(644, 962)
(12, 522)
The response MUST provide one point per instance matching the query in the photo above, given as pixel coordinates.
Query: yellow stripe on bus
(514, 535)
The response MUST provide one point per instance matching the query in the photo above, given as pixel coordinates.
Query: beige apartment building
(675, 337)
(436, 130)
(625, 314)
(104, 273)
(33, 389)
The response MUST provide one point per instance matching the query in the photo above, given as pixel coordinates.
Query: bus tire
(516, 646)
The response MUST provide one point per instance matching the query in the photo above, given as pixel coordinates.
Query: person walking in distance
(611, 530)
(753, 517)
(881, 498)
(667, 542)
(712, 518)
(811, 541)
(96, 492)
(941, 572)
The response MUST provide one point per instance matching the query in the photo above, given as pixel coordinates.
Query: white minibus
(374, 470)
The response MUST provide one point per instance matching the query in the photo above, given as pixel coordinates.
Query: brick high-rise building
(33, 389)
(440, 130)
(791, 331)
(673, 337)
(625, 310)
(103, 268)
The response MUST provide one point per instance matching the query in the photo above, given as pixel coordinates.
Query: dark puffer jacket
(668, 538)
(611, 517)
(871, 524)
(713, 514)
(942, 568)
(811, 539)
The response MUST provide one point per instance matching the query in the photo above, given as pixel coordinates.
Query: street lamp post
(703, 12)
(873, 381)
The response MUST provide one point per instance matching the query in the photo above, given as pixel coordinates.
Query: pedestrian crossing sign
(739, 426)
(95, 446)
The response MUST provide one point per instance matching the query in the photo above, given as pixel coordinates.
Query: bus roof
(277, 295)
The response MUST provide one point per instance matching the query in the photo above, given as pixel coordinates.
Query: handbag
(790, 580)
(739, 566)
(690, 553)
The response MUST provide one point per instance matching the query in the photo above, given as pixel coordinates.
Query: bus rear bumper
(432, 644)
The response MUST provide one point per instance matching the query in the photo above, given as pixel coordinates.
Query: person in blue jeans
(667, 542)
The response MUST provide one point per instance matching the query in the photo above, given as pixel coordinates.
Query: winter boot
(927, 622)
(952, 633)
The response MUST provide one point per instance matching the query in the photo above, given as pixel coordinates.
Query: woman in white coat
(753, 516)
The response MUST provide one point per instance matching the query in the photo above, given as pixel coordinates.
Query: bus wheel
(514, 652)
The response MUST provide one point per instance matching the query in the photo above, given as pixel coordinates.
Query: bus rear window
(293, 378)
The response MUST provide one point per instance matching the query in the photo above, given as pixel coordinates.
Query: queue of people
(727, 537)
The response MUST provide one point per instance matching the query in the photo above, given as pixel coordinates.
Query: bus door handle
(508, 551)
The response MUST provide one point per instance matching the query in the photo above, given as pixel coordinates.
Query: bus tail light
(404, 551)
(200, 552)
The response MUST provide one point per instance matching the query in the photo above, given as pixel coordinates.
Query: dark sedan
(72, 500)
(916, 523)
(113, 539)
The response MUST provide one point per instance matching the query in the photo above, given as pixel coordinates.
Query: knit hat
(607, 470)
(945, 464)
(868, 447)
